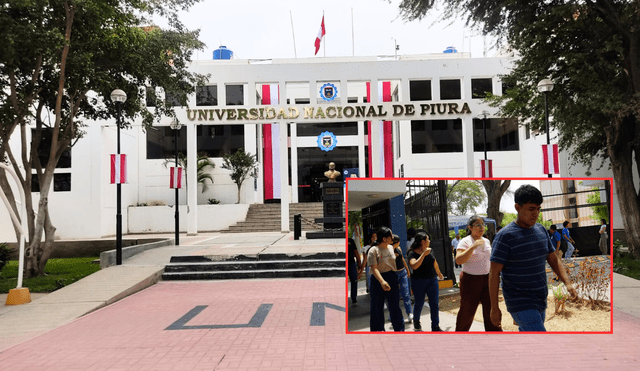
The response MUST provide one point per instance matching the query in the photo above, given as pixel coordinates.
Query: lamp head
(545, 86)
(175, 125)
(118, 96)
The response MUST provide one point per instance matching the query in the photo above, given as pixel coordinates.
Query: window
(207, 95)
(337, 128)
(171, 100)
(219, 140)
(502, 135)
(480, 88)
(507, 85)
(420, 90)
(150, 96)
(450, 89)
(161, 142)
(435, 136)
(61, 181)
(573, 211)
(235, 95)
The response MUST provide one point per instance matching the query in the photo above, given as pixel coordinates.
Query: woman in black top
(424, 280)
(354, 269)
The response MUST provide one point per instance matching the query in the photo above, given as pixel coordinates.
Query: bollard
(297, 226)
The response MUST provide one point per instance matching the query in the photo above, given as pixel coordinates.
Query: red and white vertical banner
(118, 169)
(321, 34)
(550, 161)
(385, 130)
(271, 146)
(486, 169)
(175, 174)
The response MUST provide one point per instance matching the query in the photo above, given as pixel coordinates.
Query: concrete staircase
(261, 266)
(266, 217)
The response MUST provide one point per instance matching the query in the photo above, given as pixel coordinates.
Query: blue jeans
(430, 288)
(353, 278)
(378, 295)
(570, 249)
(529, 320)
(405, 294)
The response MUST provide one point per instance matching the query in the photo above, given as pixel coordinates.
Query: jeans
(430, 288)
(529, 320)
(353, 278)
(570, 249)
(378, 295)
(405, 294)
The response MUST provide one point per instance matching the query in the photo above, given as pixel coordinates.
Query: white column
(467, 146)
(192, 180)
(294, 163)
(284, 179)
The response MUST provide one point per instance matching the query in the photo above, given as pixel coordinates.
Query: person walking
(424, 280)
(555, 239)
(518, 255)
(384, 283)
(403, 278)
(473, 253)
(372, 241)
(567, 238)
(454, 246)
(604, 238)
(355, 266)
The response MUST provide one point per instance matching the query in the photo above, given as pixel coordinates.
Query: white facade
(88, 210)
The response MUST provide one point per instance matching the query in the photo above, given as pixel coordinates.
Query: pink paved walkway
(267, 325)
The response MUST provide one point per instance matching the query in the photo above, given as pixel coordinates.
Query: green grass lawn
(627, 266)
(58, 273)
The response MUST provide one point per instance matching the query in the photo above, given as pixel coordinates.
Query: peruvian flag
(550, 160)
(118, 169)
(486, 168)
(176, 177)
(385, 140)
(321, 33)
(271, 145)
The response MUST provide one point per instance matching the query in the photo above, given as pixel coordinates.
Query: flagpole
(353, 47)
(324, 47)
(294, 35)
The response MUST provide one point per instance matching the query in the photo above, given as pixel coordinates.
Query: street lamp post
(545, 86)
(175, 125)
(119, 97)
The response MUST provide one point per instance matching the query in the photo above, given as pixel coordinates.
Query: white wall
(161, 219)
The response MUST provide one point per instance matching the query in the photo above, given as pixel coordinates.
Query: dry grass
(576, 316)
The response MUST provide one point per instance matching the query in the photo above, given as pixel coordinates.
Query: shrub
(5, 251)
(213, 201)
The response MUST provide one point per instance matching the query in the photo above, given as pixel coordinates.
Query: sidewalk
(21, 323)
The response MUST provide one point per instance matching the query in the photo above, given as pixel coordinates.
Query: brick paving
(230, 333)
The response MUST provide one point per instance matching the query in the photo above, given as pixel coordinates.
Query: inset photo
(479, 255)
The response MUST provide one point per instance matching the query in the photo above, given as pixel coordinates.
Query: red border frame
(346, 290)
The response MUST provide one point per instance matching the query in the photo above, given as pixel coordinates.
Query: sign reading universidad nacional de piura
(385, 111)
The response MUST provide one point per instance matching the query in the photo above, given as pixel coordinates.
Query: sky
(262, 29)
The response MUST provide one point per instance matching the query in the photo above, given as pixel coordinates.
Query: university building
(414, 116)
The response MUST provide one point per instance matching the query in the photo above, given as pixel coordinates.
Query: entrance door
(313, 162)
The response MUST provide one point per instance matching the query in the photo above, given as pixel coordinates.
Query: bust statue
(332, 174)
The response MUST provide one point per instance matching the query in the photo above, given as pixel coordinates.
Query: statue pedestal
(332, 198)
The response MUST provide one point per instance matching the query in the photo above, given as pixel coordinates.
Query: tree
(463, 197)
(203, 162)
(600, 211)
(242, 165)
(495, 189)
(61, 60)
(591, 50)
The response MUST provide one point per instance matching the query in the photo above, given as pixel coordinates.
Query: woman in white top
(604, 245)
(473, 253)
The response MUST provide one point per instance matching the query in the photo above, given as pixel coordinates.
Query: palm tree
(203, 163)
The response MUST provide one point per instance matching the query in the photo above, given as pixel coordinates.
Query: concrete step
(260, 266)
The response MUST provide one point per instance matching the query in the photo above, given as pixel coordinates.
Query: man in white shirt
(454, 245)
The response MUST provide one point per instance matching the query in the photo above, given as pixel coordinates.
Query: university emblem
(328, 92)
(327, 141)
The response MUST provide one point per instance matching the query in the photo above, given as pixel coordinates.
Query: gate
(426, 208)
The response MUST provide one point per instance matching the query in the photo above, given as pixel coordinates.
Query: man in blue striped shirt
(519, 253)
